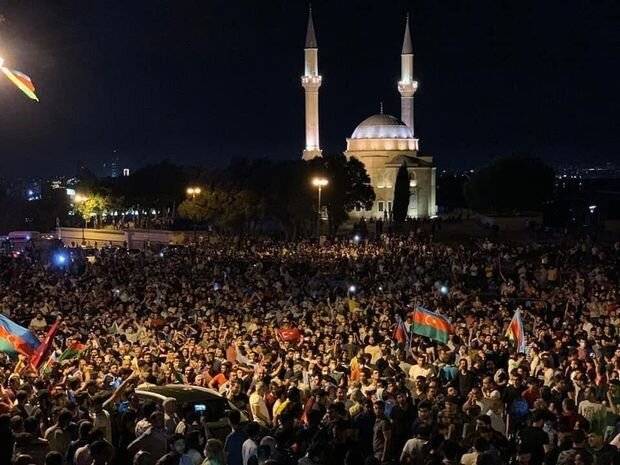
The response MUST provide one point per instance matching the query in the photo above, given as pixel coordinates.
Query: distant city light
(356, 238)
(592, 208)
(352, 288)
(443, 290)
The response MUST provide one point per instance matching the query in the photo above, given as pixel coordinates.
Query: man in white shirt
(249, 446)
(589, 408)
(421, 368)
(38, 323)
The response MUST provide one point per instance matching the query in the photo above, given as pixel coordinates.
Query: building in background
(383, 143)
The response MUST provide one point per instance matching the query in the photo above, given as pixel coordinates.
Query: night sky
(206, 81)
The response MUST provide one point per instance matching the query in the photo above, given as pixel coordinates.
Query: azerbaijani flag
(430, 324)
(516, 331)
(73, 350)
(16, 340)
(23, 82)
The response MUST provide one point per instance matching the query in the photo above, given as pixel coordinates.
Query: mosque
(383, 143)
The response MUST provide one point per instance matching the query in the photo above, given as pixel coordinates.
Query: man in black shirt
(534, 440)
(403, 414)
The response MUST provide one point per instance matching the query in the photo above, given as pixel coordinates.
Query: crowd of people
(301, 339)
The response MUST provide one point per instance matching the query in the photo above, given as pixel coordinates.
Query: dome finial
(381, 107)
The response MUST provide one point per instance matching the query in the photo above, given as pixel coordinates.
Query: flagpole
(41, 352)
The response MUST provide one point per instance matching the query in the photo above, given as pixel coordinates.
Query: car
(205, 401)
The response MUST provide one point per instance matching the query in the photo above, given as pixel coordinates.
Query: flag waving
(23, 82)
(15, 339)
(430, 324)
(42, 351)
(73, 350)
(400, 331)
(516, 331)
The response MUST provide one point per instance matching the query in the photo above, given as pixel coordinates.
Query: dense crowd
(301, 339)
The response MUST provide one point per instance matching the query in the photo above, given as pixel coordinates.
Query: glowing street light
(193, 192)
(79, 198)
(319, 183)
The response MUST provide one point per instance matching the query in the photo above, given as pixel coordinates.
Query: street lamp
(79, 198)
(319, 183)
(193, 191)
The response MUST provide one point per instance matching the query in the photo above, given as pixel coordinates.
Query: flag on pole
(23, 82)
(46, 368)
(73, 350)
(400, 331)
(516, 332)
(431, 324)
(15, 339)
(42, 351)
(353, 305)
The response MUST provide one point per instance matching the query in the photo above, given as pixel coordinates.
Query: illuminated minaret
(311, 81)
(407, 85)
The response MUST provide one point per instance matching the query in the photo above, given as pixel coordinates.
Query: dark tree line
(510, 185)
(246, 197)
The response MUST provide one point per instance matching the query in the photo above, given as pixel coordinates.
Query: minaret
(407, 86)
(311, 81)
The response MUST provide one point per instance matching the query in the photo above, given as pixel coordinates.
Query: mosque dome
(382, 127)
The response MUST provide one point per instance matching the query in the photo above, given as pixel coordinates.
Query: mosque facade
(382, 142)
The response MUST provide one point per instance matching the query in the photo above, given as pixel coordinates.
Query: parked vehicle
(206, 402)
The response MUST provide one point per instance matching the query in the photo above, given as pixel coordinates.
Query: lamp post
(193, 192)
(319, 183)
(79, 198)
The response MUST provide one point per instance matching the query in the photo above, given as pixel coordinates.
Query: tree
(349, 186)
(401, 196)
(52, 207)
(227, 209)
(160, 187)
(510, 185)
(91, 205)
(280, 191)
